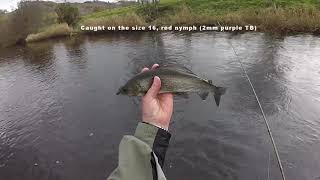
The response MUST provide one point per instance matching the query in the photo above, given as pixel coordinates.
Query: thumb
(155, 87)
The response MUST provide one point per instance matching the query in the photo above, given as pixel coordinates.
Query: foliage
(130, 19)
(26, 19)
(50, 18)
(292, 16)
(111, 12)
(150, 11)
(3, 11)
(68, 14)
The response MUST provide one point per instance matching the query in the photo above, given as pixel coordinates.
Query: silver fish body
(173, 80)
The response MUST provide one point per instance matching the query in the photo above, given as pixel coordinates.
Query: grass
(111, 12)
(56, 30)
(3, 17)
(227, 5)
(3, 20)
(290, 16)
(126, 10)
(224, 6)
(129, 19)
(210, 6)
(283, 20)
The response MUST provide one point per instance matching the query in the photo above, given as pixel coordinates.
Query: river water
(60, 117)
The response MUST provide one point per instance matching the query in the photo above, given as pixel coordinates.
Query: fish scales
(173, 80)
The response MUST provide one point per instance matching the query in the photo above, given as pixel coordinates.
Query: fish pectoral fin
(183, 95)
(203, 95)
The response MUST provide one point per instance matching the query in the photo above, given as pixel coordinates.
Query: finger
(155, 66)
(166, 98)
(145, 69)
(155, 88)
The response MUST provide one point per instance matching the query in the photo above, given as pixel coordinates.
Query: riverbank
(271, 17)
(285, 20)
(274, 16)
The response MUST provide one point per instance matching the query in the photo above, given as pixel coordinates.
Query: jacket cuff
(157, 139)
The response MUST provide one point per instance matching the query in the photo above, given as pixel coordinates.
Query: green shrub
(68, 14)
(152, 11)
(149, 11)
(26, 19)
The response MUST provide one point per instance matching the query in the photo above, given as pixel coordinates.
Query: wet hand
(157, 108)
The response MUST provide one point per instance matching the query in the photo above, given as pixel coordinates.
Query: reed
(53, 31)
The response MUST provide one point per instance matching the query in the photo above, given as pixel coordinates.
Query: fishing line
(264, 116)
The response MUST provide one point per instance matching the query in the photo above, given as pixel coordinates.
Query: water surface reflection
(59, 113)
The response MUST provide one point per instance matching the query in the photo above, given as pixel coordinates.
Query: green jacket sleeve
(141, 157)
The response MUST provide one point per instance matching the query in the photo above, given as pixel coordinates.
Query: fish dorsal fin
(177, 68)
(207, 81)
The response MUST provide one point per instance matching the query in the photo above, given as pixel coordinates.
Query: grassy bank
(272, 16)
(128, 19)
(37, 20)
(276, 16)
(53, 31)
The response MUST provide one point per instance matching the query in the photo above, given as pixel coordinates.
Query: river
(60, 117)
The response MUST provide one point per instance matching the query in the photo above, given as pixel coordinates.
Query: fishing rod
(264, 116)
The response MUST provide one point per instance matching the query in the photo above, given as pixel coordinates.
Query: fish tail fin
(218, 92)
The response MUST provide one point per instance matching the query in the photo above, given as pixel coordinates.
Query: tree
(26, 19)
(68, 14)
(3, 11)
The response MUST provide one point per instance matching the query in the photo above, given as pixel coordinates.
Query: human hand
(157, 108)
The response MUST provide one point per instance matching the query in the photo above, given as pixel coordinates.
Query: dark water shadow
(77, 51)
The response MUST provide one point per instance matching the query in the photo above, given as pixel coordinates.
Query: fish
(174, 79)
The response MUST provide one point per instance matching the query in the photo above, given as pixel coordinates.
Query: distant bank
(270, 16)
(273, 16)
